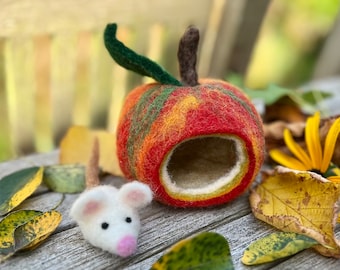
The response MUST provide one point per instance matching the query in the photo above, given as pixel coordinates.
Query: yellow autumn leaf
(32, 233)
(76, 147)
(26, 229)
(276, 246)
(300, 202)
(9, 224)
(17, 186)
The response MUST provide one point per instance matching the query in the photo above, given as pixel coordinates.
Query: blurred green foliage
(272, 93)
(290, 40)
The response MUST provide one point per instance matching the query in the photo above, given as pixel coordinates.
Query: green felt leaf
(207, 250)
(16, 187)
(276, 246)
(68, 178)
(8, 226)
(130, 60)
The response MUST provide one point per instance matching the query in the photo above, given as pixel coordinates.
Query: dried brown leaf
(300, 202)
(273, 133)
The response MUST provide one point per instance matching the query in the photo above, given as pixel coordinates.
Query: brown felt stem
(187, 56)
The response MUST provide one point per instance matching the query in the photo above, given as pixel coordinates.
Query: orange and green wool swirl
(195, 143)
(156, 119)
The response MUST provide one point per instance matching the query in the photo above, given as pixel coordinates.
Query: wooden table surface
(162, 226)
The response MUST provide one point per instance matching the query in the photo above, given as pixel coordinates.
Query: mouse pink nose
(127, 246)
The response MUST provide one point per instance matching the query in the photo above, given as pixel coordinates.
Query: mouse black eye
(128, 220)
(105, 225)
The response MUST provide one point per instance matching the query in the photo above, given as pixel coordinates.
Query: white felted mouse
(108, 216)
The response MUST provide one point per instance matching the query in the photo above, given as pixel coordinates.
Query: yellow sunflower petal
(297, 150)
(331, 138)
(313, 140)
(334, 179)
(287, 161)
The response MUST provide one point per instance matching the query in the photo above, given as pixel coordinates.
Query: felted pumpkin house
(195, 143)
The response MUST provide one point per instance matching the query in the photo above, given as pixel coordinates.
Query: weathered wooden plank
(5, 138)
(211, 36)
(162, 226)
(82, 99)
(63, 70)
(101, 66)
(28, 161)
(170, 42)
(33, 17)
(20, 91)
(43, 133)
(239, 233)
(236, 35)
(119, 82)
(248, 34)
(328, 64)
(309, 259)
(155, 46)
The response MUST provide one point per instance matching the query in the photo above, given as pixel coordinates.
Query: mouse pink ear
(135, 194)
(88, 204)
(92, 207)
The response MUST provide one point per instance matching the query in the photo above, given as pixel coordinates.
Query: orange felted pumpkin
(195, 143)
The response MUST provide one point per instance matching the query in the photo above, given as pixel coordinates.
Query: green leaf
(68, 178)
(276, 246)
(313, 97)
(207, 250)
(8, 226)
(269, 95)
(273, 93)
(16, 187)
(130, 60)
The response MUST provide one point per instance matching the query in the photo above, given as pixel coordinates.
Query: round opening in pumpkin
(203, 164)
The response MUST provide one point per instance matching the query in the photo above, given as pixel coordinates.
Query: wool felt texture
(187, 56)
(194, 146)
(108, 217)
(195, 143)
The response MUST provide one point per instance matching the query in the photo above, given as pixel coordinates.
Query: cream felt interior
(203, 164)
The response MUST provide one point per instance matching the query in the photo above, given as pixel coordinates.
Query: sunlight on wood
(63, 69)
(43, 114)
(155, 46)
(20, 84)
(56, 72)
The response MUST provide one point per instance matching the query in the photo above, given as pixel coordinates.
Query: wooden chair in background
(328, 64)
(55, 71)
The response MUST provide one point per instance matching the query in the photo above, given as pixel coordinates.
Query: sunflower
(315, 159)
